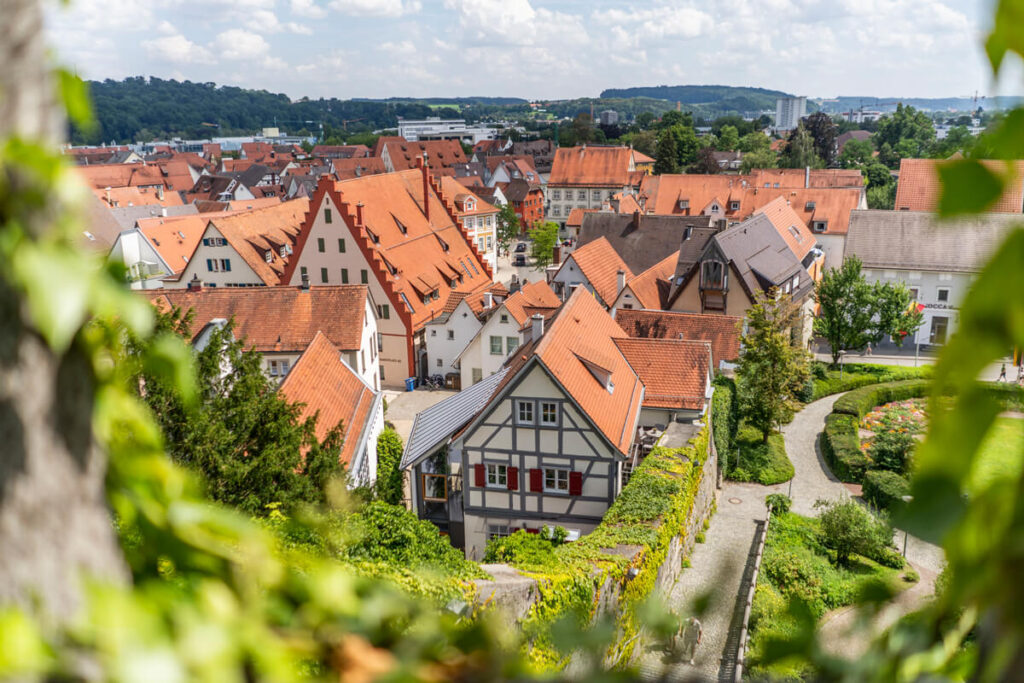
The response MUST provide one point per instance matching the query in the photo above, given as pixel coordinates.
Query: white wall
(240, 273)
(928, 284)
(477, 353)
(462, 324)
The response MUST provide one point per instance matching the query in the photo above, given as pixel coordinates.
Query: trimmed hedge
(840, 443)
(724, 416)
(885, 489)
(857, 375)
(764, 463)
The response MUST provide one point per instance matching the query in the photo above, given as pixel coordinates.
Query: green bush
(887, 557)
(860, 401)
(724, 416)
(389, 477)
(849, 528)
(779, 503)
(522, 549)
(892, 447)
(884, 489)
(765, 463)
(856, 375)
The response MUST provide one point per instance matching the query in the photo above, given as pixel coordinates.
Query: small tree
(772, 366)
(800, 150)
(666, 159)
(728, 138)
(848, 527)
(389, 476)
(761, 158)
(545, 237)
(824, 132)
(854, 313)
(508, 227)
(706, 162)
(754, 142)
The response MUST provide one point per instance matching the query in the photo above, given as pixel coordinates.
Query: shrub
(856, 375)
(884, 489)
(860, 401)
(887, 557)
(892, 447)
(848, 527)
(765, 463)
(819, 370)
(523, 549)
(389, 476)
(779, 503)
(806, 393)
(724, 416)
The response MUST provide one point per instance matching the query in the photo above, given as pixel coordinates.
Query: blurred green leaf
(55, 280)
(22, 649)
(1006, 35)
(169, 358)
(968, 187)
(74, 93)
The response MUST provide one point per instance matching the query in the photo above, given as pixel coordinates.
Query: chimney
(488, 301)
(195, 284)
(620, 281)
(359, 214)
(422, 162)
(636, 220)
(807, 177)
(536, 326)
(160, 192)
(108, 195)
(305, 282)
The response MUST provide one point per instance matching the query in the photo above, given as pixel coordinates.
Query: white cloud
(404, 48)
(237, 43)
(177, 49)
(376, 8)
(308, 9)
(265, 21)
(516, 22)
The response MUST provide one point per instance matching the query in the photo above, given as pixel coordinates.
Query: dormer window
(372, 235)
(796, 233)
(684, 203)
(809, 206)
(283, 251)
(712, 274)
(401, 227)
(820, 226)
(269, 256)
(734, 206)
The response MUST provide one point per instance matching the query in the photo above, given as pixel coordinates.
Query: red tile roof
(575, 218)
(136, 196)
(788, 224)
(260, 233)
(918, 187)
(403, 154)
(431, 255)
(348, 168)
(592, 166)
(101, 176)
(532, 296)
(797, 178)
(175, 238)
(722, 331)
(340, 151)
(332, 391)
(674, 372)
(651, 287)
(600, 263)
(276, 319)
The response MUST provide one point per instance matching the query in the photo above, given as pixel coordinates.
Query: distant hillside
(848, 103)
(453, 101)
(759, 98)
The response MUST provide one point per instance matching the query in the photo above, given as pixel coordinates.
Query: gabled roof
(652, 286)
(403, 154)
(259, 234)
(126, 216)
(575, 217)
(918, 187)
(431, 255)
(175, 238)
(532, 296)
(333, 391)
(916, 240)
(799, 178)
(340, 151)
(593, 166)
(276, 319)
(518, 190)
(761, 255)
(101, 176)
(100, 229)
(458, 193)
(721, 331)
(120, 197)
(642, 240)
(600, 263)
(789, 225)
(355, 167)
(674, 372)
(438, 423)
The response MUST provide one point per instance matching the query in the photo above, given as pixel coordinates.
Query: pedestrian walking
(1020, 375)
(1002, 374)
(692, 633)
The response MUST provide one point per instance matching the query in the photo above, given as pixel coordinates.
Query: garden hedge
(840, 443)
(885, 489)
(856, 375)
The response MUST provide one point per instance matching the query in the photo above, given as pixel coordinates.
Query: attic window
(401, 227)
(602, 375)
(734, 206)
(372, 235)
(444, 245)
(684, 203)
(809, 206)
(391, 268)
(269, 256)
(796, 233)
(820, 226)
(181, 234)
(283, 250)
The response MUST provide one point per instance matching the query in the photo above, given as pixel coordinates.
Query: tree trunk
(54, 522)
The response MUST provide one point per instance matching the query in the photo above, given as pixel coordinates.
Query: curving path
(812, 479)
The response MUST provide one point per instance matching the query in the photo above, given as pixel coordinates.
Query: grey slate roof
(643, 241)
(437, 423)
(761, 256)
(916, 240)
(126, 216)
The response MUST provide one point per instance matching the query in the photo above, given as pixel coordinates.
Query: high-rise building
(609, 117)
(789, 111)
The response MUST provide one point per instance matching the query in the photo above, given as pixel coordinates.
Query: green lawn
(765, 463)
(1002, 454)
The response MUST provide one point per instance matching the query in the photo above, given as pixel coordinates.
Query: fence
(744, 636)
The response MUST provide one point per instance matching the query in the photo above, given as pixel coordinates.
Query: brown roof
(101, 176)
(532, 296)
(651, 287)
(722, 331)
(431, 255)
(348, 168)
(276, 319)
(642, 240)
(332, 391)
(918, 187)
(575, 218)
(340, 151)
(175, 238)
(259, 234)
(589, 165)
(789, 225)
(136, 196)
(600, 263)
(440, 153)
(674, 371)
(798, 178)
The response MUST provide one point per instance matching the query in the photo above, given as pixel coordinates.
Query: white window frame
(557, 476)
(938, 294)
(492, 347)
(497, 476)
(498, 531)
(520, 419)
(543, 419)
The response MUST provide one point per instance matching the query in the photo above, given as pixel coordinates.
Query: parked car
(520, 260)
(521, 247)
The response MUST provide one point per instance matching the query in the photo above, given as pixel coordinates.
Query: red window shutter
(537, 480)
(513, 478)
(481, 475)
(575, 483)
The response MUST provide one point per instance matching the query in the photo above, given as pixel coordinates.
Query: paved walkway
(403, 407)
(719, 567)
(813, 479)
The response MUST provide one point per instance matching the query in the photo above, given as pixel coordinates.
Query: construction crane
(345, 122)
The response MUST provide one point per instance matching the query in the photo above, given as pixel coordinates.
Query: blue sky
(534, 48)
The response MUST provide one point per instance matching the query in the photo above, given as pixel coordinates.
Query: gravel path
(718, 569)
(813, 478)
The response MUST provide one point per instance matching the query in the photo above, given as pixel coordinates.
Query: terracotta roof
(236, 165)
(918, 187)
(429, 256)
(258, 203)
(818, 178)
(575, 218)
(340, 151)
(674, 372)
(789, 225)
(722, 331)
(136, 196)
(440, 153)
(627, 203)
(600, 263)
(101, 176)
(651, 287)
(348, 168)
(642, 240)
(458, 193)
(175, 238)
(661, 195)
(332, 391)
(641, 158)
(589, 165)
(532, 296)
(576, 348)
(260, 233)
(276, 319)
